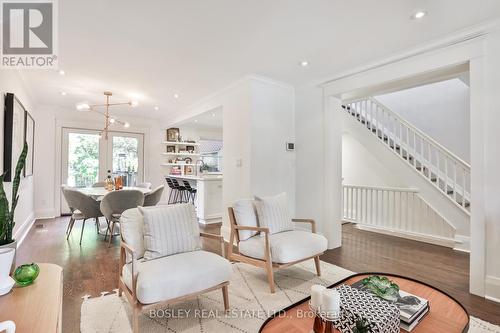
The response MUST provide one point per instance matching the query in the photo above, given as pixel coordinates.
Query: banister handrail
(384, 188)
(424, 135)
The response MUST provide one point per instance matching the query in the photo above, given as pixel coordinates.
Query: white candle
(317, 295)
(331, 301)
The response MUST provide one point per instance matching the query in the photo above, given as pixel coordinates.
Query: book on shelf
(412, 308)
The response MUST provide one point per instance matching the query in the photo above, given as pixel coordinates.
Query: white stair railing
(394, 209)
(442, 168)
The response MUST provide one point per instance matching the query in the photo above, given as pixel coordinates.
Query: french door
(86, 158)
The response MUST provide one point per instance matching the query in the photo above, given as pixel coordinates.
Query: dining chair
(82, 207)
(152, 198)
(144, 185)
(114, 203)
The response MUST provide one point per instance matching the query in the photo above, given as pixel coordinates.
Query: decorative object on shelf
(109, 120)
(6, 259)
(190, 149)
(172, 134)
(182, 151)
(26, 274)
(7, 221)
(189, 170)
(179, 138)
(170, 149)
(188, 160)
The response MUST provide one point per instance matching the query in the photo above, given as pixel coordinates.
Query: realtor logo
(29, 34)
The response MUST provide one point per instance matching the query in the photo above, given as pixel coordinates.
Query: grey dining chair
(144, 185)
(82, 207)
(153, 197)
(114, 203)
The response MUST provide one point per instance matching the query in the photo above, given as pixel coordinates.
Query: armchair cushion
(170, 229)
(273, 213)
(131, 226)
(177, 275)
(286, 247)
(245, 215)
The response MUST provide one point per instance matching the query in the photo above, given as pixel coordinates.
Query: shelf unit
(181, 155)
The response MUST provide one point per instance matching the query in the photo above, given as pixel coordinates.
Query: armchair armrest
(309, 221)
(216, 237)
(240, 227)
(125, 248)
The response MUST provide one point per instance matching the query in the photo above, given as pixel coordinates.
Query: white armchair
(256, 245)
(147, 282)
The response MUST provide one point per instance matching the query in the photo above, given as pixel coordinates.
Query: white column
(332, 226)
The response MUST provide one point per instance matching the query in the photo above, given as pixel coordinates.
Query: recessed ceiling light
(83, 107)
(419, 15)
(126, 125)
(61, 72)
(196, 120)
(176, 95)
(213, 114)
(156, 108)
(63, 93)
(304, 63)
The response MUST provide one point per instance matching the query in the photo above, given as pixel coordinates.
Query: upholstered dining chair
(114, 203)
(144, 185)
(82, 207)
(259, 246)
(152, 198)
(168, 265)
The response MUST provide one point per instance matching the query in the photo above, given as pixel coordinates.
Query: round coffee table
(445, 313)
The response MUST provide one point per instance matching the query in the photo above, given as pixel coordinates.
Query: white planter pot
(12, 245)
(6, 259)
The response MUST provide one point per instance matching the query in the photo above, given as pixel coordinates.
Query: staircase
(432, 161)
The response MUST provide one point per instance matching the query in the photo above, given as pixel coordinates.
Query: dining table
(98, 192)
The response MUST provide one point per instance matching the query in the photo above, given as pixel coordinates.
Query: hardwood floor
(93, 267)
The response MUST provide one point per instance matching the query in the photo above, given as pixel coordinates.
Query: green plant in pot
(7, 221)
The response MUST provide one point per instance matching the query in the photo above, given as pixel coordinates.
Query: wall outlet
(290, 146)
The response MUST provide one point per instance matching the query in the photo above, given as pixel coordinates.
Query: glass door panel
(83, 159)
(126, 157)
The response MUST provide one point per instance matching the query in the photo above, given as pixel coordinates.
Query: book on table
(412, 308)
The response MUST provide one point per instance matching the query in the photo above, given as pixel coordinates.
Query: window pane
(126, 158)
(83, 159)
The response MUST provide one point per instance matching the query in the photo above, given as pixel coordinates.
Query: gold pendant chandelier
(109, 119)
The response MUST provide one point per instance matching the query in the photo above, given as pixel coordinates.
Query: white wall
(48, 152)
(441, 110)
(12, 82)
(361, 167)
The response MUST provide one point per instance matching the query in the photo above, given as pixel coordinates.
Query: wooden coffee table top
(445, 314)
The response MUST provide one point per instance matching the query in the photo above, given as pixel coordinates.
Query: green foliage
(382, 287)
(7, 215)
(362, 326)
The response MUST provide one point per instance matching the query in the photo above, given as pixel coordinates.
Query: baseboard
(446, 242)
(45, 214)
(462, 243)
(23, 231)
(492, 291)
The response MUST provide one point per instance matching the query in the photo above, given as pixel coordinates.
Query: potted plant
(7, 221)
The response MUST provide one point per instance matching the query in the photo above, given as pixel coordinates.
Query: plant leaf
(4, 213)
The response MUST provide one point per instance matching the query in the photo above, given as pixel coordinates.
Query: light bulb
(61, 72)
(83, 107)
(176, 95)
(126, 125)
(419, 14)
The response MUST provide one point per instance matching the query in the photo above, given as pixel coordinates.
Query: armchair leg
(225, 296)
(135, 319)
(270, 276)
(318, 266)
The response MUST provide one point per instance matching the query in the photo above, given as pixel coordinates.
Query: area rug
(250, 301)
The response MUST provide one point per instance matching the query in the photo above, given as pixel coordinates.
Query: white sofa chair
(256, 245)
(166, 279)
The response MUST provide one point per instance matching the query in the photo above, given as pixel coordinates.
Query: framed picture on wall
(14, 136)
(29, 134)
(172, 134)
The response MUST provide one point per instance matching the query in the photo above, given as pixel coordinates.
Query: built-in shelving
(178, 164)
(175, 143)
(181, 154)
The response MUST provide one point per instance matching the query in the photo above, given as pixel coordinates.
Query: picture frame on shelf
(173, 134)
(190, 149)
(188, 170)
(170, 149)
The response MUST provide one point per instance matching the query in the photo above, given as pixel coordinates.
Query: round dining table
(98, 192)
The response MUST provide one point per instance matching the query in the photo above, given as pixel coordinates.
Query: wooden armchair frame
(266, 263)
(137, 306)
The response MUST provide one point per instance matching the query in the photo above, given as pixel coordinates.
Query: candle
(317, 295)
(331, 301)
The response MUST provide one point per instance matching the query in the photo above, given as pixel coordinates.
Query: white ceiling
(161, 47)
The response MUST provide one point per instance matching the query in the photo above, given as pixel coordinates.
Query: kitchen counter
(209, 177)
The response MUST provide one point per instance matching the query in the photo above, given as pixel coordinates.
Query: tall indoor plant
(7, 221)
